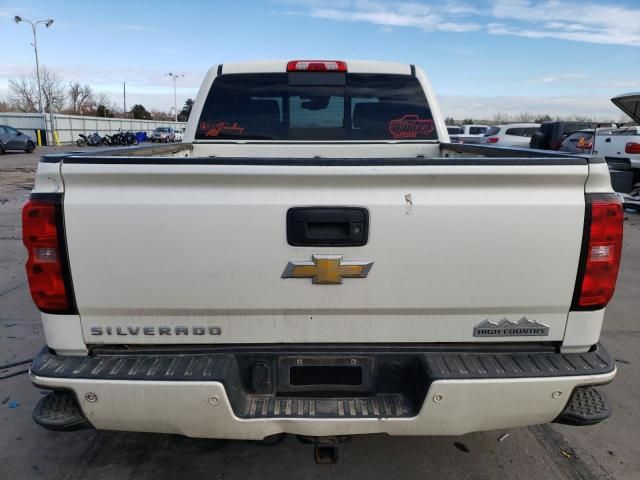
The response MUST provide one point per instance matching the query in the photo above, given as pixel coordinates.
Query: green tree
(103, 111)
(543, 118)
(183, 116)
(449, 121)
(468, 121)
(140, 113)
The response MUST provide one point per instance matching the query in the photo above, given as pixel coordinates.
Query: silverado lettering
(153, 330)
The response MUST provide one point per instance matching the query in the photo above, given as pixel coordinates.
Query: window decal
(410, 126)
(215, 129)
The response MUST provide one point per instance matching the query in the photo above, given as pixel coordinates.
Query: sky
(562, 57)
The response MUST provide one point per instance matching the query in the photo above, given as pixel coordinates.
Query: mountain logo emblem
(506, 328)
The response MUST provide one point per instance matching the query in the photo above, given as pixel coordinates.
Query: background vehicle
(93, 140)
(551, 134)
(163, 134)
(179, 135)
(510, 135)
(621, 146)
(469, 134)
(578, 142)
(12, 139)
(315, 260)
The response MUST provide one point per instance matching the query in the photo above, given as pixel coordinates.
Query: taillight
(493, 140)
(601, 252)
(632, 147)
(47, 268)
(316, 66)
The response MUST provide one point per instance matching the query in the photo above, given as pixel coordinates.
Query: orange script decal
(215, 129)
(410, 126)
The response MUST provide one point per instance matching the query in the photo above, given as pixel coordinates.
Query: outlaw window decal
(410, 126)
(216, 128)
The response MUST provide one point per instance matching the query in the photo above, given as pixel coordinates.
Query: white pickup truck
(317, 259)
(620, 147)
(469, 134)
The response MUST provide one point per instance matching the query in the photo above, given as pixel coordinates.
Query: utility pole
(47, 24)
(124, 98)
(175, 101)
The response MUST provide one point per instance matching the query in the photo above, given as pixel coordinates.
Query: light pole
(175, 102)
(47, 23)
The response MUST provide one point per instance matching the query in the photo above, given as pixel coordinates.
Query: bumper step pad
(381, 406)
(587, 406)
(393, 383)
(60, 411)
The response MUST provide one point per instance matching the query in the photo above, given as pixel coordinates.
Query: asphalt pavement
(610, 450)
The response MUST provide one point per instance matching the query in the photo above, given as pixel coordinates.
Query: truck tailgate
(193, 251)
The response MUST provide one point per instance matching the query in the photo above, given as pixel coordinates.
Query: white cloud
(571, 20)
(559, 77)
(567, 20)
(481, 107)
(630, 84)
(101, 76)
(147, 86)
(443, 17)
(7, 12)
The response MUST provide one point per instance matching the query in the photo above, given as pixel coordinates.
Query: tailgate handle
(326, 226)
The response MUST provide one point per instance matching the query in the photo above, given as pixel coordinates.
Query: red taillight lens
(46, 267)
(493, 140)
(632, 147)
(316, 66)
(601, 260)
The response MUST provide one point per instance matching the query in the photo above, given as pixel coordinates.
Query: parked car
(551, 134)
(163, 134)
(469, 134)
(13, 139)
(621, 146)
(179, 134)
(246, 285)
(510, 135)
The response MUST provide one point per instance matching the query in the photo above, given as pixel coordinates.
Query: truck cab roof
(277, 66)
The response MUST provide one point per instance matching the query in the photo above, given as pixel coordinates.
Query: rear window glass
(477, 130)
(521, 131)
(575, 137)
(453, 130)
(492, 131)
(316, 106)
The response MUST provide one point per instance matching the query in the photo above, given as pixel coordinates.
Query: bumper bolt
(438, 398)
(91, 397)
(214, 400)
(556, 394)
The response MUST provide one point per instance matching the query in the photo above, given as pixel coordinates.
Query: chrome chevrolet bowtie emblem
(327, 269)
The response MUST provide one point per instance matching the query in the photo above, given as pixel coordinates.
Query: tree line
(74, 98)
(503, 119)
